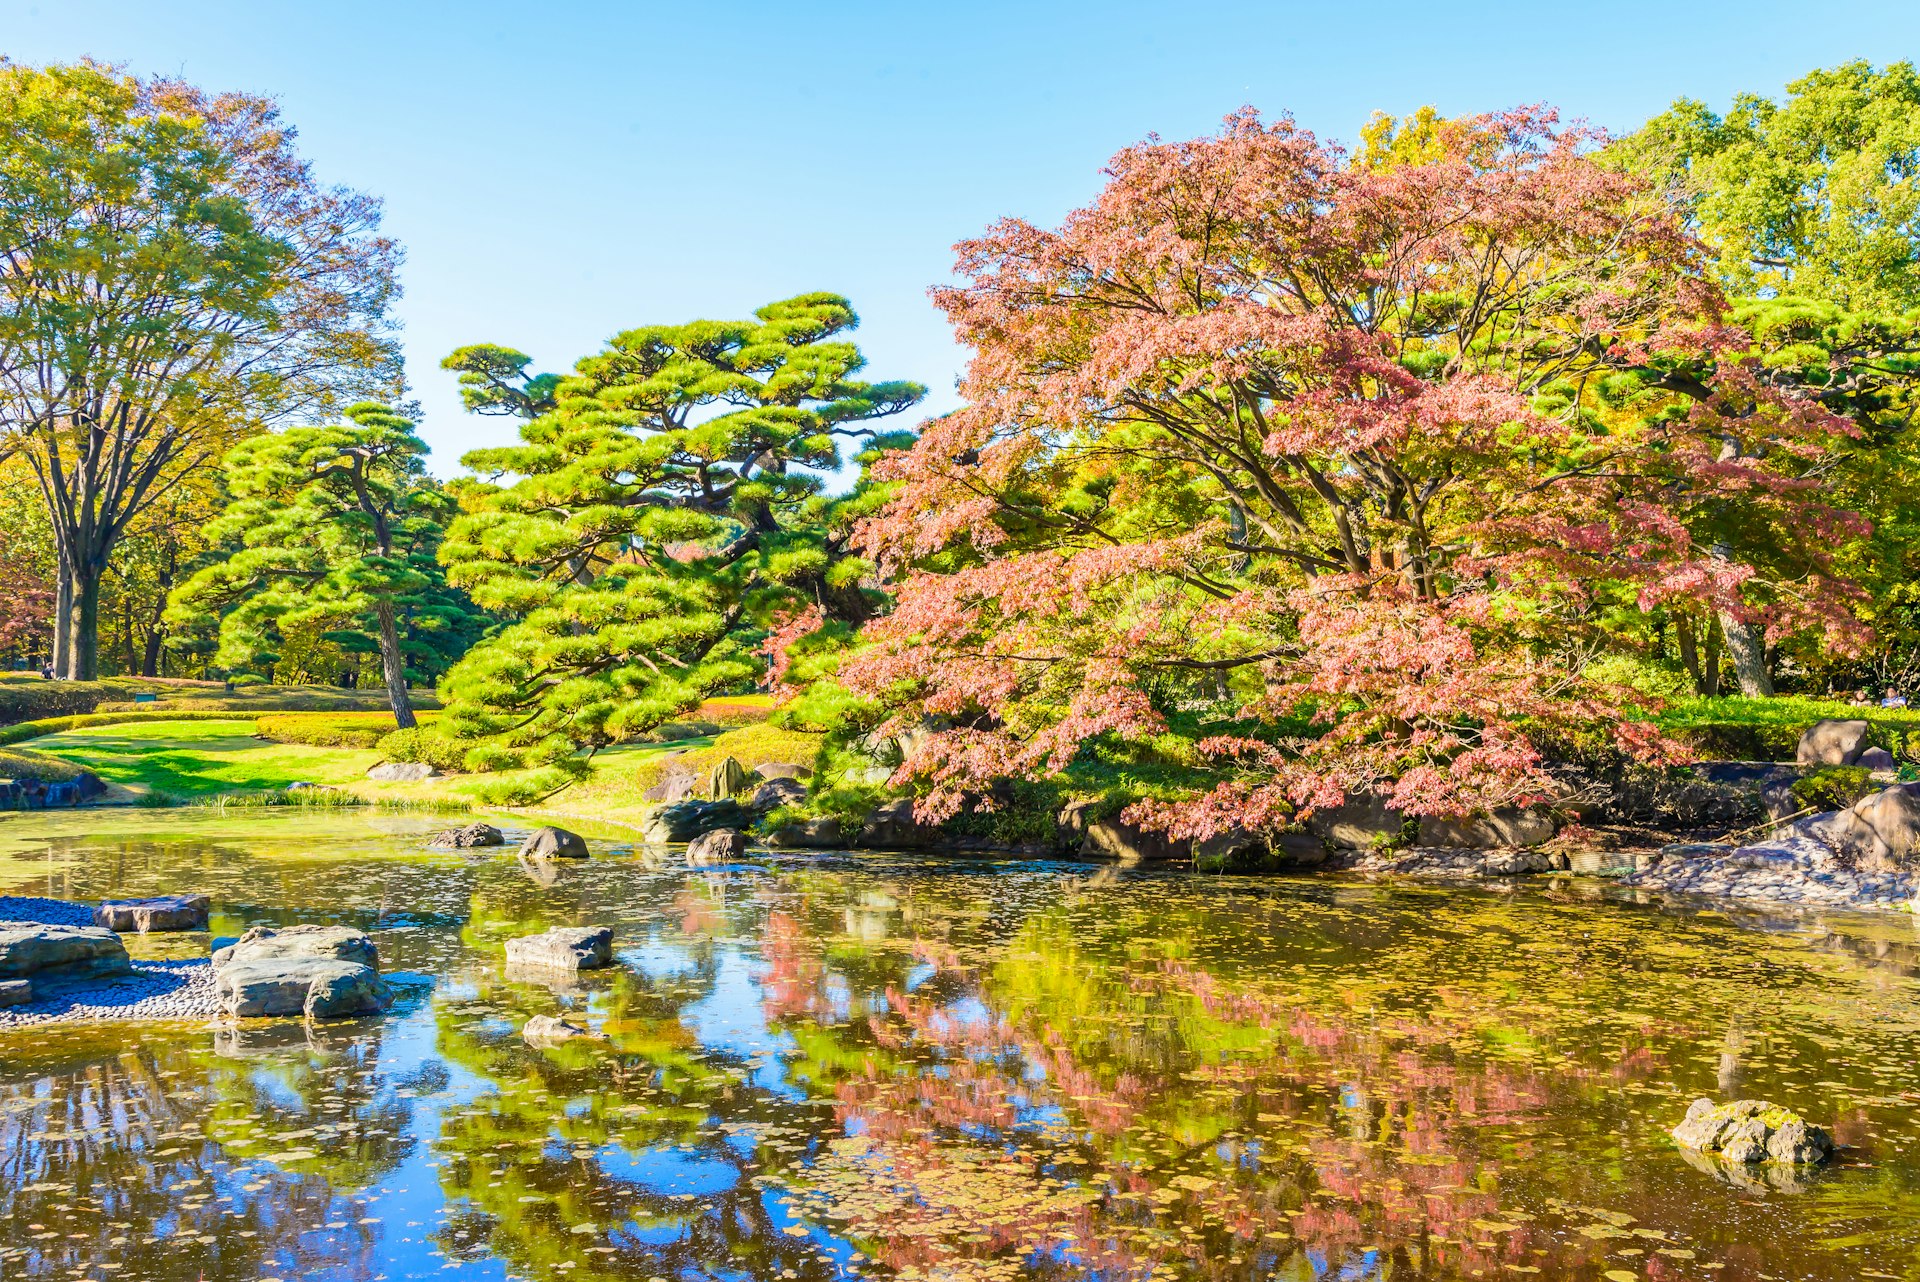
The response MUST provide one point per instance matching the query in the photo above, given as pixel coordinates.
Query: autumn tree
(1811, 210)
(664, 508)
(1337, 469)
(172, 278)
(337, 529)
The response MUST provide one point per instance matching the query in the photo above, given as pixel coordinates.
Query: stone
(727, 777)
(1752, 1131)
(1877, 759)
(1894, 816)
(782, 770)
(1124, 843)
(685, 820)
(61, 952)
(564, 948)
(467, 838)
(1506, 826)
(891, 826)
(551, 1030)
(553, 843)
(315, 986)
(402, 772)
(1361, 821)
(14, 992)
(267, 943)
(1832, 743)
(1878, 833)
(679, 784)
(809, 834)
(775, 793)
(162, 912)
(721, 846)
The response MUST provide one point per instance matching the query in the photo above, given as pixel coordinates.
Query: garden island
(1371, 743)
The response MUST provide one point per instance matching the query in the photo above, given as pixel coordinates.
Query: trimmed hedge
(30, 698)
(26, 730)
(331, 729)
(31, 765)
(449, 756)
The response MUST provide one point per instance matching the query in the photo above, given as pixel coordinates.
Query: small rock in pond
(162, 912)
(564, 948)
(474, 834)
(1748, 1131)
(62, 952)
(551, 1030)
(722, 845)
(14, 992)
(553, 843)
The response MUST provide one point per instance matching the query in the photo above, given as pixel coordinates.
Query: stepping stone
(564, 948)
(162, 912)
(61, 952)
(264, 943)
(13, 992)
(317, 987)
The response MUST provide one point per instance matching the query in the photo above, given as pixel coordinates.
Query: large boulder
(1362, 821)
(726, 778)
(891, 826)
(473, 835)
(315, 986)
(1492, 830)
(553, 843)
(1878, 833)
(563, 948)
(550, 1030)
(267, 943)
(1832, 743)
(685, 820)
(61, 952)
(162, 912)
(401, 772)
(782, 770)
(721, 846)
(775, 793)
(809, 834)
(1749, 1131)
(678, 784)
(1876, 759)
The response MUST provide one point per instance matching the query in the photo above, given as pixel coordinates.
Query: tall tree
(1811, 207)
(335, 525)
(171, 277)
(1367, 449)
(667, 508)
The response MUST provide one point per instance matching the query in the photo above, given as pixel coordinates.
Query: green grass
(201, 758)
(1770, 729)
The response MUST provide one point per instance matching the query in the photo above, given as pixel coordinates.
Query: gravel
(155, 990)
(1792, 870)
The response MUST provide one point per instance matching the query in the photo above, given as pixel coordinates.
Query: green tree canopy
(338, 527)
(667, 510)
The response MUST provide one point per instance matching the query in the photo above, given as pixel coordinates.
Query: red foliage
(1374, 446)
(26, 608)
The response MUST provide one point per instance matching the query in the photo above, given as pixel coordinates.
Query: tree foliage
(667, 507)
(1341, 468)
(338, 528)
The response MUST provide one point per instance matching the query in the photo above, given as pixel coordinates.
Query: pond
(887, 1066)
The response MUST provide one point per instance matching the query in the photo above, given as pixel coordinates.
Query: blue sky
(559, 172)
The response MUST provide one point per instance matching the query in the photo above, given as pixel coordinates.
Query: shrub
(420, 744)
(1832, 787)
(31, 765)
(330, 729)
(29, 699)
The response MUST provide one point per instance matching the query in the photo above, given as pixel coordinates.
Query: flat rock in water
(62, 952)
(14, 992)
(317, 987)
(162, 912)
(551, 1030)
(402, 772)
(1750, 1130)
(266, 943)
(564, 948)
(553, 843)
(721, 846)
(474, 834)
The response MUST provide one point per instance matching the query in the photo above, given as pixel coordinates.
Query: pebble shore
(155, 990)
(1793, 871)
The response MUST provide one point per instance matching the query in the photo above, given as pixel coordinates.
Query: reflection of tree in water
(135, 1155)
(632, 1158)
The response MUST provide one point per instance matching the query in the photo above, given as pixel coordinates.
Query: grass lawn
(201, 758)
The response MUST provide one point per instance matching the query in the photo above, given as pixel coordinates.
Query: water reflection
(833, 1068)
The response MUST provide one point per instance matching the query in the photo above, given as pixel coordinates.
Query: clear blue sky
(561, 171)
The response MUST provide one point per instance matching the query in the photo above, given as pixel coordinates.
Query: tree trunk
(83, 641)
(150, 656)
(1747, 647)
(394, 667)
(1689, 652)
(62, 607)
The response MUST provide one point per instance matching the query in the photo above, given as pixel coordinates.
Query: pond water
(836, 1067)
